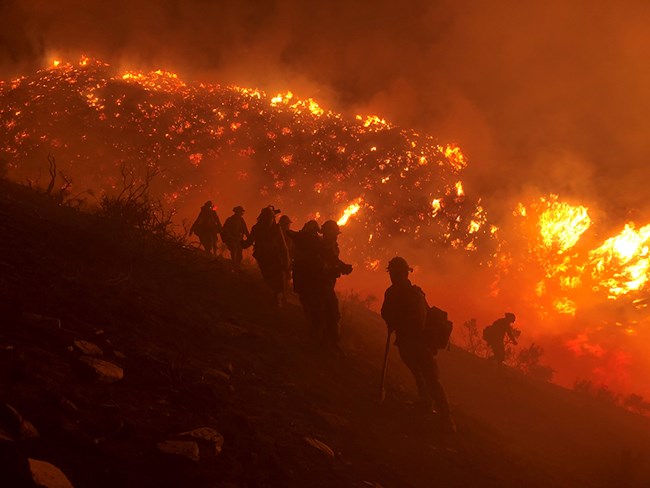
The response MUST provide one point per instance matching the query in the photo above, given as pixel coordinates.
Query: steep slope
(202, 347)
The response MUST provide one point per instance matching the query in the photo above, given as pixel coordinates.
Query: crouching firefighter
(495, 336)
(405, 311)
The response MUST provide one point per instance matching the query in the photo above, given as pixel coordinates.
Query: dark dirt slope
(201, 347)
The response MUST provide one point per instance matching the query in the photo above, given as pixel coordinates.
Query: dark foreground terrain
(201, 348)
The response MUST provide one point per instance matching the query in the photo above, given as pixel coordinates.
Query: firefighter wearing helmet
(405, 311)
(233, 234)
(271, 253)
(398, 264)
(307, 272)
(495, 336)
(333, 268)
(207, 227)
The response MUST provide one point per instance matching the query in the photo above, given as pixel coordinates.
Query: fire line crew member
(270, 252)
(405, 311)
(333, 268)
(285, 226)
(495, 335)
(307, 272)
(233, 233)
(207, 226)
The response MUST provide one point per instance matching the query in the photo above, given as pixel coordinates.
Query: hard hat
(311, 227)
(238, 209)
(510, 316)
(398, 264)
(330, 227)
(285, 219)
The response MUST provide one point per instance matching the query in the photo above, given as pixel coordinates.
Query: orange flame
(561, 225)
(352, 209)
(459, 189)
(627, 254)
(436, 204)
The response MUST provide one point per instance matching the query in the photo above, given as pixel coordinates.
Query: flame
(436, 205)
(280, 98)
(351, 210)
(374, 122)
(459, 189)
(625, 258)
(565, 306)
(561, 224)
(455, 156)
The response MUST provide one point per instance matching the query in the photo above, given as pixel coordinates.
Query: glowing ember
(374, 122)
(436, 204)
(455, 156)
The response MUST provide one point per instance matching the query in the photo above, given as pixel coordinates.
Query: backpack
(438, 328)
(489, 333)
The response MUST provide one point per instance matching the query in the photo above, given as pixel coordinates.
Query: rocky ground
(131, 362)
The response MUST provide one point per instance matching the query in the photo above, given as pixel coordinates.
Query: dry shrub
(133, 210)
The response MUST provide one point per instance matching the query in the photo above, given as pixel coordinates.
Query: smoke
(517, 84)
(543, 96)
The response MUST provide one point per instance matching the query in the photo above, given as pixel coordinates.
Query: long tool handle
(382, 389)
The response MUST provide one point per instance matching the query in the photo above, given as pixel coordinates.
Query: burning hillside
(208, 139)
(395, 189)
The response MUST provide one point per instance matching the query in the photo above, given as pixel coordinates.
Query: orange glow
(455, 156)
(565, 306)
(622, 263)
(352, 209)
(561, 224)
(373, 122)
(436, 204)
(538, 256)
(280, 98)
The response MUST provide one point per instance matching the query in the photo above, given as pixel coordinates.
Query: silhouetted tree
(529, 362)
(472, 340)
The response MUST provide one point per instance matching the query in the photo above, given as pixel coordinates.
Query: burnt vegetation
(133, 208)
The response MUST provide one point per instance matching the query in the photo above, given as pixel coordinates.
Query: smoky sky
(543, 96)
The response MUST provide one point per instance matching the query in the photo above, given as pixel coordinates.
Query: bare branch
(52, 170)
